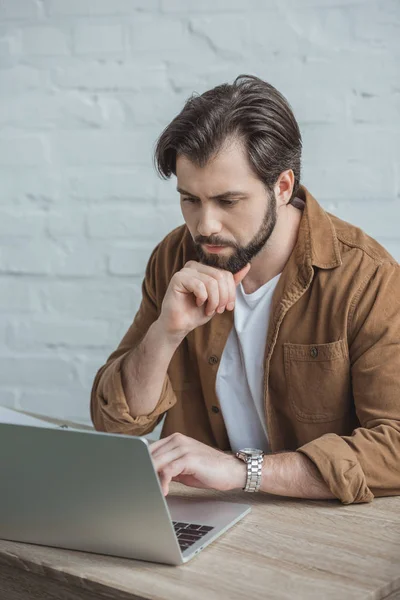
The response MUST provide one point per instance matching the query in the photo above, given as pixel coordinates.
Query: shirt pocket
(318, 380)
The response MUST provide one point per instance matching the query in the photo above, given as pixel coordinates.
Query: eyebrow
(224, 196)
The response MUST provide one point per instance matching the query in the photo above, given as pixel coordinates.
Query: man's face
(227, 209)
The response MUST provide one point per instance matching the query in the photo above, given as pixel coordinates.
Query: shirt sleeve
(366, 463)
(108, 406)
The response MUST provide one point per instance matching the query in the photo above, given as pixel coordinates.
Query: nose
(208, 223)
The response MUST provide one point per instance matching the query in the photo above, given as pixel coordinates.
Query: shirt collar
(317, 242)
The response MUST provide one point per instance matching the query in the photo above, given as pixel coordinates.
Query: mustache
(212, 241)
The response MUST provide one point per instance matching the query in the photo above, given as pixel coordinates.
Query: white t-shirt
(240, 377)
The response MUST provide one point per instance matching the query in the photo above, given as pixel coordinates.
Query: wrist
(166, 338)
(239, 474)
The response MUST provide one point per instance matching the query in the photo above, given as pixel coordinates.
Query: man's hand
(188, 461)
(195, 294)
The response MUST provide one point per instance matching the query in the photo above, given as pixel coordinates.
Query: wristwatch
(254, 460)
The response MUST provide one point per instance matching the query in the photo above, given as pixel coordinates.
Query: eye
(228, 203)
(189, 199)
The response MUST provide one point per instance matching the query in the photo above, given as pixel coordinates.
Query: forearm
(293, 474)
(144, 370)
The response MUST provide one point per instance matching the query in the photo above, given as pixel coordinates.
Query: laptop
(99, 492)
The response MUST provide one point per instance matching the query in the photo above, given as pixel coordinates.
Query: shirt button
(213, 359)
(215, 409)
(314, 352)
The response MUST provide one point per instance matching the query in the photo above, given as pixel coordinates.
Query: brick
(100, 148)
(71, 405)
(171, 217)
(139, 223)
(10, 50)
(110, 76)
(48, 258)
(375, 221)
(19, 9)
(98, 39)
(215, 6)
(349, 180)
(53, 332)
(228, 35)
(64, 224)
(137, 183)
(97, 7)
(8, 398)
(88, 366)
(19, 185)
(45, 41)
(18, 296)
(374, 108)
(173, 34)
(377, 27)
(128, 261)
(167, 194)
(20, 79)
(96, 299)
(316, 105)
(147, 108)
(324, 143)
(45, 371)
(21, 223)
(63, 110)
(22, 150)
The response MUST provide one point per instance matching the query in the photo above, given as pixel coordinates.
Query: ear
(284, 187)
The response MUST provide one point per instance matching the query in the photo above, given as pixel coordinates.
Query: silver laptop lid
(83, 490)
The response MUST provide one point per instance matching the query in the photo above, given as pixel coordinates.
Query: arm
(293, 474)
(112, 398)
(352, 468)
(365, 464)
(132, 390)
(144, 370)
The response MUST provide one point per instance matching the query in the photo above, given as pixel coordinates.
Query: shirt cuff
(339, 468)
(110, 410)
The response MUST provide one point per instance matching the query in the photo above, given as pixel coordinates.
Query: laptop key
(206, 528)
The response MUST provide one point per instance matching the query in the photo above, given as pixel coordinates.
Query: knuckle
(189, 264)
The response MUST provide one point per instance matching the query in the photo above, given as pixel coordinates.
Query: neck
(276, 252)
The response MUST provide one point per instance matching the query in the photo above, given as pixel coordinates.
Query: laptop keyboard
(189, 533)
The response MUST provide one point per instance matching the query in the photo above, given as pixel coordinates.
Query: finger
(174, 469)
(240, 275)
(213, 295)
(195, 286)
(232, 292)
(221, 277)
(205, 269)
(223, 291)
(172, 440)
(163, 459)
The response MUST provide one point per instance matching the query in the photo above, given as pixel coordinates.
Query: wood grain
(285, 548)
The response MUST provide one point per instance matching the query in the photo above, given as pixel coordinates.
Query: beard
(242, 254)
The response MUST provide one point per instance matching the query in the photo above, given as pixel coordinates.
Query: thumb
(240, 275)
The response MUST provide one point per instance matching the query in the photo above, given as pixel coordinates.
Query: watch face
(251, 451)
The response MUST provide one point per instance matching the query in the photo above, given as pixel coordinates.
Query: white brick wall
(85, 88)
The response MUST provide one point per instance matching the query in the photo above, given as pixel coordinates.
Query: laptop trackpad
(204, 511)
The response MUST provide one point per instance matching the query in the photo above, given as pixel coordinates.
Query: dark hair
(251, 110)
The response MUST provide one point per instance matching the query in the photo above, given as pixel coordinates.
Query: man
(265, 322)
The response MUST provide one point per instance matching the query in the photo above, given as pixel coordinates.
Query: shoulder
(356, 245)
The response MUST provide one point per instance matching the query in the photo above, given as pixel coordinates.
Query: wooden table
(284, 548)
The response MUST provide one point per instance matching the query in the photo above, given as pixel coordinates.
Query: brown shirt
(332, 359)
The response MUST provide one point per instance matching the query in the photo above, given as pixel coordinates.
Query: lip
(214, 249)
